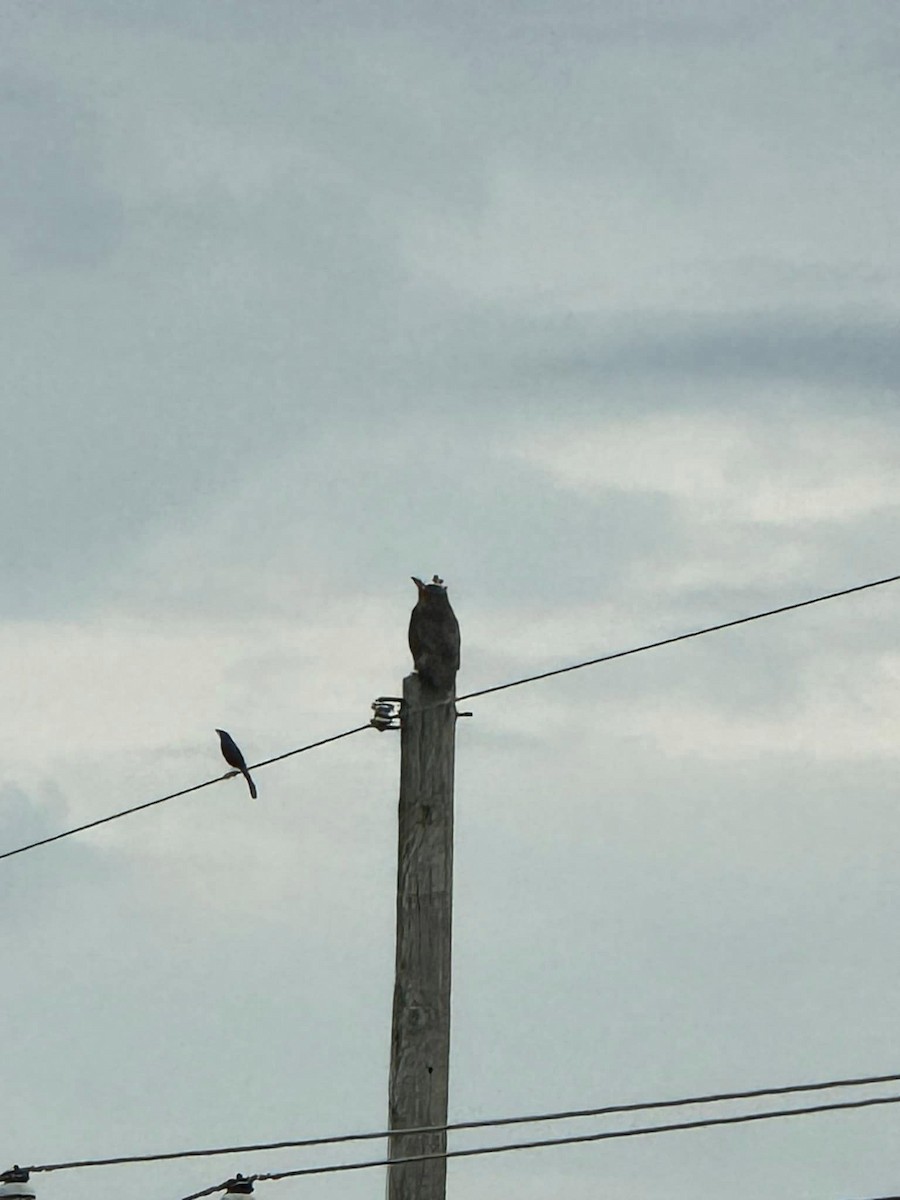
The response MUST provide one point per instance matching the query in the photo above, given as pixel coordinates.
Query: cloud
(755, 498)
(783, 347)
(790, 470)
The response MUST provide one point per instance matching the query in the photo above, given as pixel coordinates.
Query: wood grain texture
(420, 1037)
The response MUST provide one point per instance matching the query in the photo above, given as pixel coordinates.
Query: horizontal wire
(484, 1123)
(500, 687)
(681, 637)
(577, 1139)
(125, 812)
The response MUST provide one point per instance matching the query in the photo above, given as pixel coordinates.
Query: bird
(232, 754)
(434, 636)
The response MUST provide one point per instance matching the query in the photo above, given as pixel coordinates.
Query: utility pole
(420, 1036)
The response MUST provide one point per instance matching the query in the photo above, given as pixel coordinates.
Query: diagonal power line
(483, 1123)
(683, 637)
(577, 1139)
(125, 812)
(500, 687)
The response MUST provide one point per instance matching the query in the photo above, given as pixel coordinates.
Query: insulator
(15, 1185)
(239, 1186)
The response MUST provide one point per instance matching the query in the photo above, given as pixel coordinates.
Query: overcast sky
(591, 308)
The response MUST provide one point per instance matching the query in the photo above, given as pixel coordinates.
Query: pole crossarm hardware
(386, 713)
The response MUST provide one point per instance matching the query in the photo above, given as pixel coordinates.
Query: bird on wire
(434, 636)
(232, 754)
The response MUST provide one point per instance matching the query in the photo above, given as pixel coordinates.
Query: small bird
(434, 636)
(232, 754)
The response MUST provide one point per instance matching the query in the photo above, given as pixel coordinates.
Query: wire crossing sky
(495, 1122)
(681, 637)
(184, 792)
(577, 1139)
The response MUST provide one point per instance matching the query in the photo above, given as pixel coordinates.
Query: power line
(486, 1123)
(606, 1135)
(682, 637)
(500, 687)
(174, 795)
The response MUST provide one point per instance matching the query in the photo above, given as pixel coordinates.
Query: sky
(591, 309)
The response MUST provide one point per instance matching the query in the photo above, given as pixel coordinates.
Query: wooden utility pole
(420, 1036)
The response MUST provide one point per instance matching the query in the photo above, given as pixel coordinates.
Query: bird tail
(251, 785)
